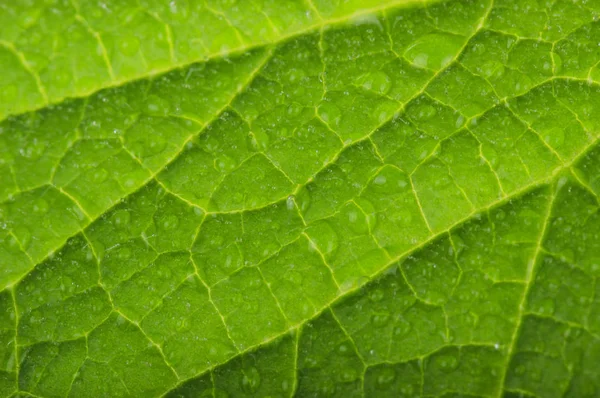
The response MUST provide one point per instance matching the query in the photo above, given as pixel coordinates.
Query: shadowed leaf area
(300, 198)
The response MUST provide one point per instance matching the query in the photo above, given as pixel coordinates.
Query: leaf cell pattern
(399, 202)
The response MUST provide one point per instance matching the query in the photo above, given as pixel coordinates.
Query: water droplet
(377, 81)
(35, 150)
(420, 60)
(303, 199)
(29, 17)
(99, 175)
(558, 63)
(180, 9)
(546, 307)
(535, 374)
(129, 45)
(330, 113)
(294, 109)
(500, 215)
(385, 376)
(289, 202)
(210, 144)
(40, 206)
(311, 362)
(258, 140)
(345, 349)
(121, 219)
(380, 319)
(294, 277)
(224, 163)
(124, 253)
(252, 307)
(348, 375)
(250, 380)
(295, 75)
(157, 106)
(434, 50)
(380, 179)
(376, 295)
(24, 236)
(425, 112)
(12, 244)
(383, 112)
(555, 137)
(169, 222)
(447, 363)
(407, 390)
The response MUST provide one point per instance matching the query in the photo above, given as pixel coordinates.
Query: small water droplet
(121, 219)
(35, 150)
(345, 349)
(434, 50)
(99, 175)
(258, 140)
(376, 295)
(157, 106)
(558, 63)
(385, 376)
(224, 163)
(546, 307)
(124, 253)
(380, 319)
(330, 113)
(447, 363)
(40, 206)
(426, 112)
(380, 179)
(377, 81)
(294, 109)
(289, 202)
(311, 362)
(348, 375)
(129, 45)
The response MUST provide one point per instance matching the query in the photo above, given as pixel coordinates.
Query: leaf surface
(386, 199)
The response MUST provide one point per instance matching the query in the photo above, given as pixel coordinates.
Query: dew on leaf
(434, 51)
(330, 113)
(348, 375)
(376, 295)
(380, 179)
(447, 363)
(345, 349)
(124, 253)
(385, 376)
(40, 206)
(129, 45)
(224, 163)
(380, 319)
(311, 362)
(546, 307)
(121, 219)
(99, 175)
(258, 140)
(377, 81)
(250, 380)
(157, 106)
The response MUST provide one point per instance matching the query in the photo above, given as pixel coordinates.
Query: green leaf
(265, 198)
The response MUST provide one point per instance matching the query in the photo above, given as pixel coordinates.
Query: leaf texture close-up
(312, 198)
